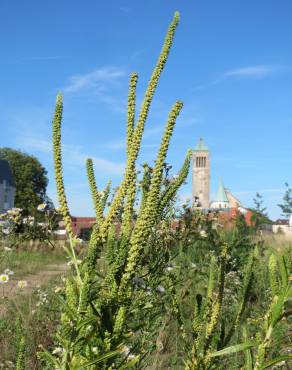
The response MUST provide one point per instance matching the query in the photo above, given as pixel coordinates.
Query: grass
(36, 305)
(25, 262)
(279, 242)
(39, 314)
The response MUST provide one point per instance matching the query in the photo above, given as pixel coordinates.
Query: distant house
(7, 187)
(283, 225)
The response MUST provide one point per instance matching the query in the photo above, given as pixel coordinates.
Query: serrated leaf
(279, 305)
(49, 358)
(85, 322)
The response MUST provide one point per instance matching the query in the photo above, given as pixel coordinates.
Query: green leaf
(84, 322)
(233, 349)
(248, 352)
(276, 361)
(283, 271)
(279, 305)
(148, 305)
(66, 307)
(46, 356)
(102, 358)
(130, 364)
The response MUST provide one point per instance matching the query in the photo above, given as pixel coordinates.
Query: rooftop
(221, 195)
(201, 146)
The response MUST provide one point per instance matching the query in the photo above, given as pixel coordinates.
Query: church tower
(201, 176)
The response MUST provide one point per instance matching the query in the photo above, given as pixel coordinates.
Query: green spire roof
(201, 146)
(221, 195)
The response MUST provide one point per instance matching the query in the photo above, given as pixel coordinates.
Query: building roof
(221, 195)
(201, 146)
(6, 173)
(281, 221)
(231, 198)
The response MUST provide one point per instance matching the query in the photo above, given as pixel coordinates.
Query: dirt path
(11, 290)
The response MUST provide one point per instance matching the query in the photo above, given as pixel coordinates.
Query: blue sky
(231, 64)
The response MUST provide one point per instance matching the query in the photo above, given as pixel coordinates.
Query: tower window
(201, 162)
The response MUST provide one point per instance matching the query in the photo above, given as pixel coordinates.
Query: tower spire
(221, 195)
(201, 175)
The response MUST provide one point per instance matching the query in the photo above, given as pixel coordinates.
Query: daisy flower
(22, 284)
(4, 278)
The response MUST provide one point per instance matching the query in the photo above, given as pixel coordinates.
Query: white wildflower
(8, 272)
(4, 278)
(42, 207)
(7, 249)
(22, 284)
(160, 289)
(71, 262)
(58, 351)
(125, 350)
(203, 234)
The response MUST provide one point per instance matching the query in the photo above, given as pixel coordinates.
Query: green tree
(260, 215)
(286, 206)
(30, 177)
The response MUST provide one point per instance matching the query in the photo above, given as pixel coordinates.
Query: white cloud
(74, 155)
(253, 71)
(103, 83)
(261, 191)
(95, 80)
(257, 71)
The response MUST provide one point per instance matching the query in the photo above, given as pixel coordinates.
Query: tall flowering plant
(101, 323)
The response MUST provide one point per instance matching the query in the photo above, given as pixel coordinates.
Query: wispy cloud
(74, 155)
(259, 71)
(104, 83)
(96, 80)
(261, 191)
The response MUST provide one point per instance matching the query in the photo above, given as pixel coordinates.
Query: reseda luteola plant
(114, 296)
(98, 309)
